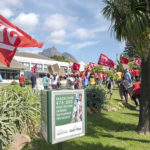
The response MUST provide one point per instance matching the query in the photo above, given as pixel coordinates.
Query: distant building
(23, 63)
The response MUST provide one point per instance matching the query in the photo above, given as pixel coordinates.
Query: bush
(27, 82)
(14, 83)
(19, 109)
(96, 97)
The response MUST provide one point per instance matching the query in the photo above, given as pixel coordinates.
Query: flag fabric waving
(75, 67)
(90, 66)
(11, 37)
(124, 60)
(105, 61)
(138, 61)
(34, 69)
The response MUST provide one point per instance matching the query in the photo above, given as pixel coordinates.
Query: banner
(124, 60)
(75, 67)
(105, 61)
(34, 69)
(138, 61)
(90, 66)
(11, 37)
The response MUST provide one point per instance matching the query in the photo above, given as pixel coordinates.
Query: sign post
(63, 115)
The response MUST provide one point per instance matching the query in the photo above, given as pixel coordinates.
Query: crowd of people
(128, 82)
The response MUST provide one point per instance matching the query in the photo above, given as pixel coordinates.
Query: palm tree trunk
(144, 118)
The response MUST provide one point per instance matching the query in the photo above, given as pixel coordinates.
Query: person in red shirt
(136, 91)
(22, 80)
(137, 73)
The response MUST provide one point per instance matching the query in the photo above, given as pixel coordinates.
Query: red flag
(11, 37)
(90, 66)
(105, 61)
(138, 61)
(34, 69)
(124, 60)
(101, 76)
(75, 67)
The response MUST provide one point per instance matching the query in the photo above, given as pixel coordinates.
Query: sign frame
(51, 127)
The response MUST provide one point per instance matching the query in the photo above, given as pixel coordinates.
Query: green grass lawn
(106, 131)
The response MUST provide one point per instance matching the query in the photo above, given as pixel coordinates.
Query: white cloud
(101, 29)
(58, 37)
(84, 34)
(27, 22)
(84, 44)
(6, 12)
(7, 5)
(56, 22)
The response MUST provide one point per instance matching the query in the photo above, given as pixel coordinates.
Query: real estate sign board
(64, 116)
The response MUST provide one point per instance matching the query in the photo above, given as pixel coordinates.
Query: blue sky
(74, 26)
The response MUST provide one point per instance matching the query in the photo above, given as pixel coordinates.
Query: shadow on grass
(132, 114)
(124, 138)
(39, 144)
(104, 123)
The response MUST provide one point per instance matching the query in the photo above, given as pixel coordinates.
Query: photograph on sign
(68, 113)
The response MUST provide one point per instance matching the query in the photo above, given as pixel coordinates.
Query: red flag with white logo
(90, 66)
(75, 67)
(124, 60)
(138, 61)
(11, 37)
(34, 69)
(105, 61)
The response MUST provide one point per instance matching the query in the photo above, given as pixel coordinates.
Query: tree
(130, 20)
(59, 58)
(130, 49)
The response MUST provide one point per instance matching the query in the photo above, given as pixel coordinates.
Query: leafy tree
(130, 50)
(60, 58)
(130, 20)
(97, 69)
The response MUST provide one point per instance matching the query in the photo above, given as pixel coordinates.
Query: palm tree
(130, 21)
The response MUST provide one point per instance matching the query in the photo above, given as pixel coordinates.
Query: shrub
(14, 83)
(19, 108)
(27, 82)
(96, 97)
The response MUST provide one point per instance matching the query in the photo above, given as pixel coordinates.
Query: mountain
(49, 52)
(68, 56)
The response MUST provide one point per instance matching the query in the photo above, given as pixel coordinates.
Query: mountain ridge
(49, 52)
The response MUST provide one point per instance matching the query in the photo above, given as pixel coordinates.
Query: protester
(125, 85)
(22, 80)
(119, 75)
(45, 82)
(110, 86)
(137, 73)
(136, 91)
(33, 80)
(86, 80)
(128, 78)
(39, 83)
(70, 82)
(78, 82)
(92, 79)
(54, 82)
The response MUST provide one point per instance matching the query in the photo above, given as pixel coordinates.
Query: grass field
(106, 131)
